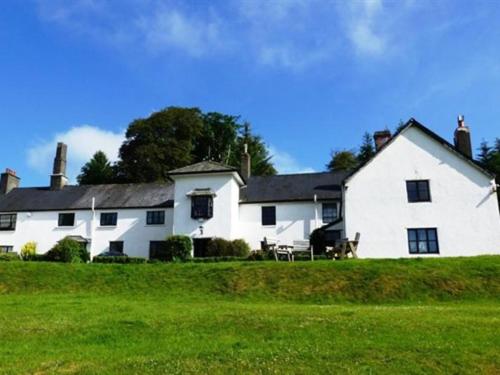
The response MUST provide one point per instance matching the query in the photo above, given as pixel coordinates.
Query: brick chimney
(463, 142)
(8, 181)
(245, 168)
(381, 138)
(58, 178)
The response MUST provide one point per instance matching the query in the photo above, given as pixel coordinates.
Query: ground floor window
(116, 247)
(6, 249)
(423, 241)
(158, 250)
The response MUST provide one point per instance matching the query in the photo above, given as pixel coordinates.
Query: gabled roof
(203, 167)
(111, 196)
(293, 187)
(414, 123)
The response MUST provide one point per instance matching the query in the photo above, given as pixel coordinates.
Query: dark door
(200, 247)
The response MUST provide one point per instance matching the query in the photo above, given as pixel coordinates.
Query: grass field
(404, 316)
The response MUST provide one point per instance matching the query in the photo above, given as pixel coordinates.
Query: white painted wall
(294, 221)
(463, 208)
(42, 227)
(224, 222)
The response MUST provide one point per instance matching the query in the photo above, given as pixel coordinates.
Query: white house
(418, 196)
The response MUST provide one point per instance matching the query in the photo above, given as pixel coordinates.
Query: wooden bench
(344, 247)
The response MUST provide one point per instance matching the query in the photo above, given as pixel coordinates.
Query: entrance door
(200, 247)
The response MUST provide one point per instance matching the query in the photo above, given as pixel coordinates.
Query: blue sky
(311, 76)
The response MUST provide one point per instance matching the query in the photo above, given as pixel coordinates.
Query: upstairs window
(202, 206)
(329, 212)
(66, 220)
(8, 221)
(423, 241)
(155, 217)
(116, 247)
(109, 218)
(269, 215)
(418, 191)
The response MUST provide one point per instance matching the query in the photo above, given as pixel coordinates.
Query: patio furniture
(344, 247)
(302, 246)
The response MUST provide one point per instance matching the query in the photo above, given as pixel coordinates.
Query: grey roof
(293, 187)
(114, 196)
(203, 167)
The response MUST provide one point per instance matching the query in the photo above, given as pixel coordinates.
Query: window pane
(201, 207)
(109, 218)
(431, 234)
(329, 212)
(269, 215)
(422, 247)
(422, 235)
(116, 246)
(413, 247)
(433, 248)
(412, 234)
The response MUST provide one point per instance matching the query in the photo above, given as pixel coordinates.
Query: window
(8, 221)
(418, 191)
(329, 212)
(158, 250)
(6, 249)
(116, 247)
(202, 207)
(66, 220)
(109, 218)
(269, 215)
(155, 217)
(423, 241)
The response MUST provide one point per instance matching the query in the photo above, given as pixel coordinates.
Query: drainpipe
(315, 211)
(92, 227)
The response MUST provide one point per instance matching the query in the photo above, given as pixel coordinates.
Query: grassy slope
(252, 317)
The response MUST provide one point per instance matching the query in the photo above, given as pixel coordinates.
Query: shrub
(177, 248)
(9, 257)
(68, 251)
(318, 241)
(28, 250)
(218, 259)
(119, 259)
(218, 247)
(240, 248)
(258, 255)
(37, 258)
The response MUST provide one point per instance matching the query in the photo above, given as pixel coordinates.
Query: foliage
(98, 170)
(9, 257)
(178, 247)
(367, 149)
(119, 259)
(28, 250)
(218, 259)
(342, 161)
(68, 250)
(317, 240)
(37, 258)
(157, 144)
(220, 247)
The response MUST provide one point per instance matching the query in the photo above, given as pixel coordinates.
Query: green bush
(119, 259)
(28, 250)
(218, 259)
(37, 258)
(219, 247)
(177, 248)
(258, 255)
(9, 257)
(240, 248)
(68, 251)
(318, 241)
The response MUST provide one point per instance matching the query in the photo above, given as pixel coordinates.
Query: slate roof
(203, 167)
(293, 187)
(112, 196)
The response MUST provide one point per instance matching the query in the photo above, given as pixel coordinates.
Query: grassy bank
(431, 316)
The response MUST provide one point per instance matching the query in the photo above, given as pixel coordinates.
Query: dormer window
(202, 207)
(202, 203)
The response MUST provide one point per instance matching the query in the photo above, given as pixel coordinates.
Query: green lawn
(252, 317)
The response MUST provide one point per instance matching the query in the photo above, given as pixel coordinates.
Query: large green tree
(98, 170)
(157, 144)
(342, 161)
(367, 149)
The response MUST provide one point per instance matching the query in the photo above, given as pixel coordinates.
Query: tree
(342, 160)
(367, 150)
(157, 144)
(489, 158)
(97, 170)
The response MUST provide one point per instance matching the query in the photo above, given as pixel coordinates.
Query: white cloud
(286, 163)
(83, 141)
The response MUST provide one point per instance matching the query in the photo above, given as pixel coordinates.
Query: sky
(311, 76)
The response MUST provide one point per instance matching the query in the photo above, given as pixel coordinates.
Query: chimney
(381, 138)
(58, 178)
(8, 181)
(463, 143)
(245, 163)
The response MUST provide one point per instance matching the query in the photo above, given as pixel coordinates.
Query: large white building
(418, 196)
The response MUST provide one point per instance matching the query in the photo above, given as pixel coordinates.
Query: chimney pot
(381, 138)
(8, 181)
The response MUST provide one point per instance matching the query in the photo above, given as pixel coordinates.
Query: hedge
(119, 259)
(9, 257)
(219, 247)
(177, 247)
